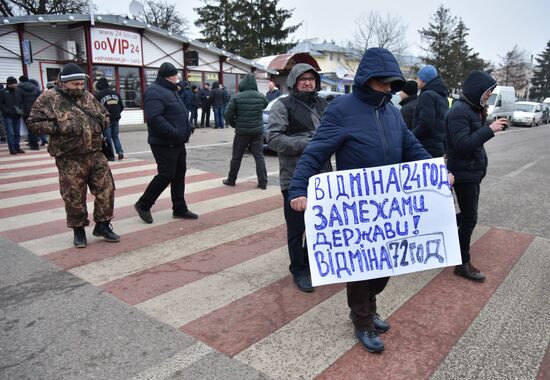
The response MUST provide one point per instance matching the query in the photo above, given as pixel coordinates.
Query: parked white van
(501, 103)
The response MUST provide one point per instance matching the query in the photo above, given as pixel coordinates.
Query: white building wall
(77, 35)
(131, 117)
(235, 67)
(10, 64)
(154, 57)
(207, 61)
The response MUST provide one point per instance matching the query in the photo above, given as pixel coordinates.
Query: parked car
(527, 113)
(545, 113)
(328, 95)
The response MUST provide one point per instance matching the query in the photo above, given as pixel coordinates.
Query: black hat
(410, 87)
(23, 78)
(11, 80)
(102, 84)
(71, 72)
(167, 70)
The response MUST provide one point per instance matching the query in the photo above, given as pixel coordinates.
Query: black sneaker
(262, 186)
(79, 240)
(227, 182)
(145, 215)
(105, 230)
(185, 215)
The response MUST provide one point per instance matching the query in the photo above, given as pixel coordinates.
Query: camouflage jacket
(74, 124)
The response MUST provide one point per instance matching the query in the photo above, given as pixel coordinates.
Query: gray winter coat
(293, 121)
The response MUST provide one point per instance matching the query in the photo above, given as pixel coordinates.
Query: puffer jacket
(167, 121)
(363, 128)
(29, 94)
(429, 117)
(467, 132)
(245, 109)
(408, 107)
(75, 125)
(292, 123)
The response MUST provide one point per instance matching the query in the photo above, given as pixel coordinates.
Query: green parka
(244, 111)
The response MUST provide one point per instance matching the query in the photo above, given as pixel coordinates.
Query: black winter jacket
(217, 97)
(408, 108)
(466, 132)
(111, 101)
(204, 96)
(429, 117)
(9, 99)
(29, 94)
(167, 121)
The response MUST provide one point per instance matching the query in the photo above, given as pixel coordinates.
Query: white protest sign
(383, 221)
(116, 47)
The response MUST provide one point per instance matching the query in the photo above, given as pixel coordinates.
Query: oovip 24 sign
(116, 47)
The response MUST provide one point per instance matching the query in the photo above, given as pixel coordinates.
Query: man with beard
(74, 119)
(292, 123)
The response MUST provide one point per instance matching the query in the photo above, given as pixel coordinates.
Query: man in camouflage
(74, 119)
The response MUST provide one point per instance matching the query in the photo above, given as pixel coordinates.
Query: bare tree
(513, 69)
(11, 8)
(164, 15)
(374, 30)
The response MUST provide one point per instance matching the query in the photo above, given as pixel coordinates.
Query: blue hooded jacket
(364, 129)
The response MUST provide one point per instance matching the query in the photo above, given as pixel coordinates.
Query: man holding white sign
(364, 130)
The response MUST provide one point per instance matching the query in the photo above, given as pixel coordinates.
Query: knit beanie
(23, 78)
(102, 84)
(167, 70)
(427, 73)
(71, 72)
(410, 87)
(11, 80)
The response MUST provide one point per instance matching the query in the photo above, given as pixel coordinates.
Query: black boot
(469, 272)
(104, 229)
(370, 341)
(79, 240)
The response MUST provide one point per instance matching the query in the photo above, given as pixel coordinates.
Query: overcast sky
(495, 26)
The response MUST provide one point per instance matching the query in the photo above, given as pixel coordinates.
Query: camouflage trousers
(76, 174)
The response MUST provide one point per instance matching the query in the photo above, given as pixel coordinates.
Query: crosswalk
(224, 280)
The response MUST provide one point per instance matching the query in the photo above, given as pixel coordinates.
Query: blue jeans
(13, 128)
(218, 116)
(112, 134)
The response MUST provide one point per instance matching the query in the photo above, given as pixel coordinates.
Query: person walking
(11, 104)
(245, 113)
(112, 101)
(168, 130)
(429, 116)
(74, 119)
(217, 99)
(195, 105)
(363, 129)
(409, 100)
(293, 120)
(273, 92)
(467, 160)
(204, 95)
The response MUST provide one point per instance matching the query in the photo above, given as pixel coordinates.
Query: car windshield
(492, 100)
(525, 107)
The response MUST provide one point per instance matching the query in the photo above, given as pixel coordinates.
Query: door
(49, 72)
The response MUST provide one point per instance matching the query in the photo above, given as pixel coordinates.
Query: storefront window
(107, 72)
(211, 78)
(194, 78)
(130, 87)
(230, 83)
(150, 75)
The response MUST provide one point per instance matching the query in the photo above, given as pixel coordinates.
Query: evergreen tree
(251, 28)
(438, 37)
(541, 77)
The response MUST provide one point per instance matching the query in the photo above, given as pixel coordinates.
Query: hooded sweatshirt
(363, 128)
(245, 109)
(293, 121)
(467, 132)
(109, 98)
